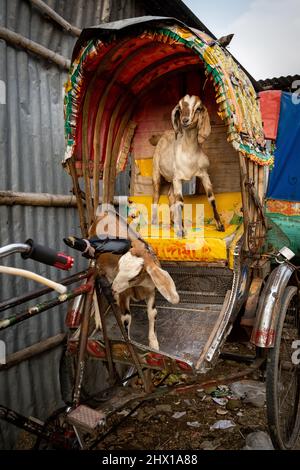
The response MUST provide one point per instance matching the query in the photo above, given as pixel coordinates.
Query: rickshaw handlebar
(39, 253)
(14, 248)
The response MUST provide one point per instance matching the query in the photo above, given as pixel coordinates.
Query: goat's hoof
(221, 228)
(153, 344)
(180, 233)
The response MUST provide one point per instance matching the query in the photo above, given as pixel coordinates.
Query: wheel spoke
(287, 392)
(283, 387)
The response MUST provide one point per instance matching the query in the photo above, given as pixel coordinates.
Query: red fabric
(128, 67)
(270, 110)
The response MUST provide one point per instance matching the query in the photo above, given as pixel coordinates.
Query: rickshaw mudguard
(231, 306)
(263, 334)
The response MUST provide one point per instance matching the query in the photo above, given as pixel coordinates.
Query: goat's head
(109, 224)
(130, 273)
(132, 269)
(189, 113)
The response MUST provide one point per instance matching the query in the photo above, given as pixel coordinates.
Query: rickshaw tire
(272, 380)
(94, 380)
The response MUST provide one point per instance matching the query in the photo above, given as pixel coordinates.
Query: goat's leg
(211, 197)
(171, 197)
(124, 304)
(152, 313)
(156, 193)
(178, 207)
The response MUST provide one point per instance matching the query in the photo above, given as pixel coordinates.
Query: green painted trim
(290, 226)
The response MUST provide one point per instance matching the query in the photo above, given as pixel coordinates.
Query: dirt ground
(155, 425)
(183, 421)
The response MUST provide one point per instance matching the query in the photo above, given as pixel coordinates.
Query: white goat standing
(179, 157)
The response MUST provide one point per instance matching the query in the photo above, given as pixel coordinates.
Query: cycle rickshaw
(124, 79)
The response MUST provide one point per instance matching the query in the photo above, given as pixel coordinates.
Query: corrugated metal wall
(31, 149)
(121, 9)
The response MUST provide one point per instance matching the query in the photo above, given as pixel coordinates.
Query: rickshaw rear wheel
(283, 375)
(95, 380)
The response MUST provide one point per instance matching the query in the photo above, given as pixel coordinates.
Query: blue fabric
(285, 177)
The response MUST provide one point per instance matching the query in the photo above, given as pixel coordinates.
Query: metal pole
(49, 12)
(20, 41)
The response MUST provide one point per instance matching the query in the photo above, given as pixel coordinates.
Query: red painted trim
(264, 338)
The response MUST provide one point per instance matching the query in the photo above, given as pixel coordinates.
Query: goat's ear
(163, 283)
(204, 127)
(176, 120)
(93, 228)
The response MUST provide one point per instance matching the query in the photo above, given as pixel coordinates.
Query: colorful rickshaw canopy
(113, 65)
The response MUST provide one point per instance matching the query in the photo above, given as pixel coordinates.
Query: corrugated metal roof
(179, 10)
(288, 83)
(172, 8)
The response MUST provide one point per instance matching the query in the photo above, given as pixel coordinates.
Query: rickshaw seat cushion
(202, 243)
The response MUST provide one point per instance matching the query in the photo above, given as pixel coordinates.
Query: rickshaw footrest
(86, 418)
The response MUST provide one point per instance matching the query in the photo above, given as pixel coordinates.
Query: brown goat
(134, 275)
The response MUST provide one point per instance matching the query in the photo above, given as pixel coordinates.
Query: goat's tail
(163, 283)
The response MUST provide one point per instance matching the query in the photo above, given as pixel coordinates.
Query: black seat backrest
(92, 247)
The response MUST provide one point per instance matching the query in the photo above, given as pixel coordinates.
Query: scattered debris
(258, 441)
(150, 429)
(222, 391)
(173, 379)
(189, 403)
(224, 388)
(220, 401)
(179, 414)
(210, 390)
(223, 424)
(184, 378)
(210, 445)
(250, 391)
(124, 413)
(164, 408)
(201, 394)
(141, 415)
(233, 405)
(195, 424)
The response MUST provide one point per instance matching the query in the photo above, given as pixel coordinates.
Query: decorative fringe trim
(235, 95)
